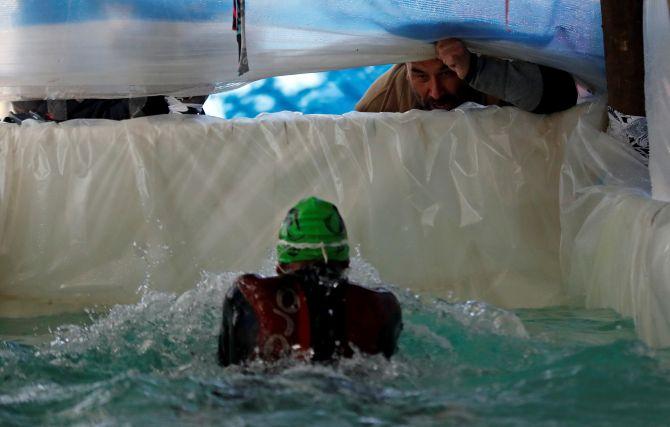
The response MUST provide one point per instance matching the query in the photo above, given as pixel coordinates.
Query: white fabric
(657, 93)
(462, 202)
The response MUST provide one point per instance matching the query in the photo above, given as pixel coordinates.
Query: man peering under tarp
(457, 76)
(310, 311)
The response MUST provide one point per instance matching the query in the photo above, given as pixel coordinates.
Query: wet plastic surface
(460, 203)
(615, 242)
(657, 94)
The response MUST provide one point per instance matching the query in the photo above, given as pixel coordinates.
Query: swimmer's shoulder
(251, 279)
(248, 278)
(379, 291)
(377, 302)
(374, 319)
(255, 285)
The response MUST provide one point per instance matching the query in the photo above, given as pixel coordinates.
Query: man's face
(436, 86)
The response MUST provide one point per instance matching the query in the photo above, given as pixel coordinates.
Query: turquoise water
(153, 363)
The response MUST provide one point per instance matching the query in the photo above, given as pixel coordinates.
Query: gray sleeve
(517, 82)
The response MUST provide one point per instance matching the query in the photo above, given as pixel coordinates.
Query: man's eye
(421, 77)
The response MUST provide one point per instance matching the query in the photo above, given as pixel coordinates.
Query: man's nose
(435, 89)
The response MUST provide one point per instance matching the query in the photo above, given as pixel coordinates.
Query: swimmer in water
(310, 310)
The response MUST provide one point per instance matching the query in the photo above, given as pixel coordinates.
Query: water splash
(481, 317)
(458, 363)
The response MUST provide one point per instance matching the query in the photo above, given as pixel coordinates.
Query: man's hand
(455, 55)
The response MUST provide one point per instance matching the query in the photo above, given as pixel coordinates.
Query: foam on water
(458, 363)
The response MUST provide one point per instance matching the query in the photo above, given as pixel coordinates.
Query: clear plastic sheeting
(117, 48)
(460, 204)
(657, 93)
(615, 243)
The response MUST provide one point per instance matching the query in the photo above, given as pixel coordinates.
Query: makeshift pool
(458, 364)
(487, 204)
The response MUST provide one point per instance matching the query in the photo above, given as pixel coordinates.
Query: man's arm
(531, 87)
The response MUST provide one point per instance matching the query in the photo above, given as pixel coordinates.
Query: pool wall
(494, 204)
(461, 203)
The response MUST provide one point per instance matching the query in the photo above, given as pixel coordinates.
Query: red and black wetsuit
(310, 315)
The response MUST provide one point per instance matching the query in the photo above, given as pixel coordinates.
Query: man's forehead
(428, 66)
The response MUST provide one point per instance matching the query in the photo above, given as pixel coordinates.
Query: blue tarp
(65, 48)
(40, 12)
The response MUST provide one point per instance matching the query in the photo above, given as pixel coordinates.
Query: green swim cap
(313, 230)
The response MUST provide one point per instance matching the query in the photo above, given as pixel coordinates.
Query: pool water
(153, 363)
